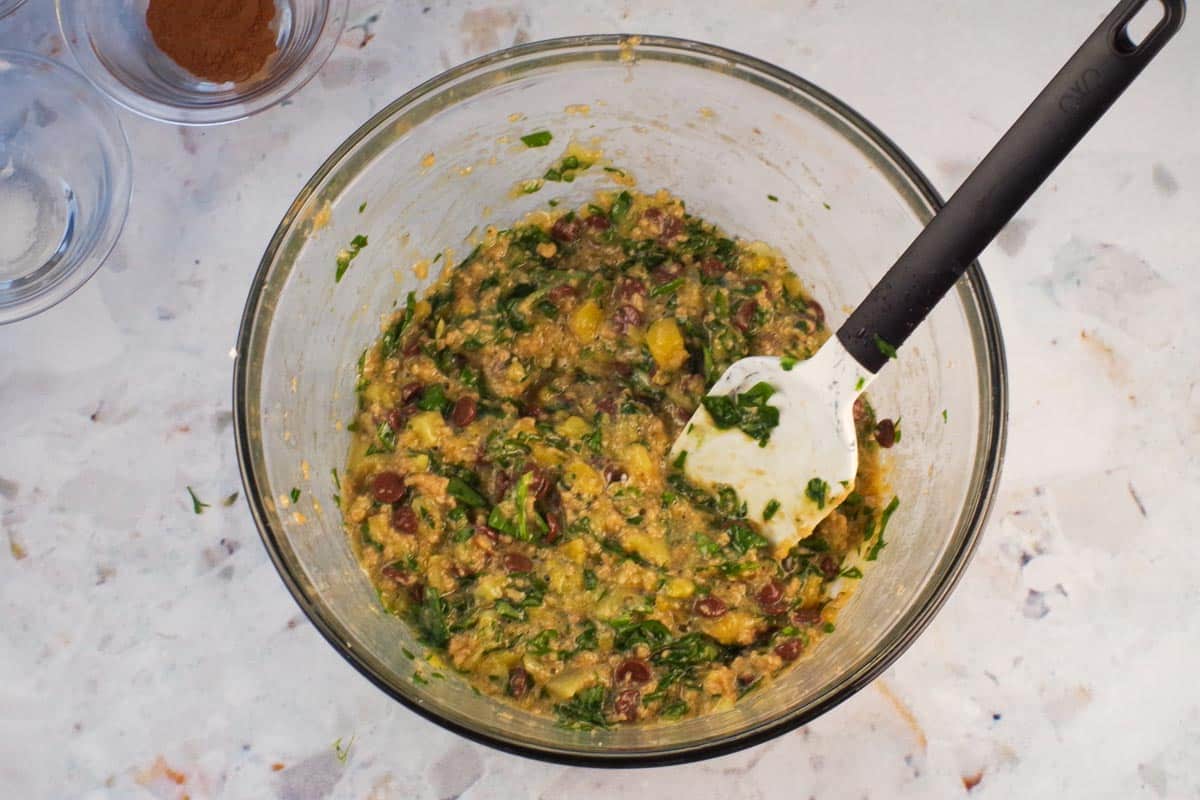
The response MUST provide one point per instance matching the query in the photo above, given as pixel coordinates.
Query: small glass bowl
(9, 6)
(64, 183)
(114, 48)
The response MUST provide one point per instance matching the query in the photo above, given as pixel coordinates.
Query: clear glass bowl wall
(721, 131)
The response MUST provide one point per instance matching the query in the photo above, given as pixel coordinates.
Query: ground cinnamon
(217, 40)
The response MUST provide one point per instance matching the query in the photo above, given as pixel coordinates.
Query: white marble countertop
(148, 652)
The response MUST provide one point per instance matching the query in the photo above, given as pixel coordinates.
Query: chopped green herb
(829, 627)
(294, 495)
(707, 546)
(337, 482)
(342, 753)
(584, 711)
(788, 363)
(817, 490)
(540, 645)
(390, 342)
(230, 500)
(537, 139)
(461, 491)
(385, 440)
(364, 533)
(430, 621)
(873, 553)
(680, 460)
(827, 206)
(750, 412)
(589, 580)
(771, 509)
(851, 572)
(615, 170)
(859, 384)
(743, 538)
(620, 207)
(434, 399)
(673, 709)
(197, 506)
(648, 631)
(531, 186)
(362, 206)
(419, 679)
(407, 653)
(773, 198)
(884, 347)
(344, 257)
(670, 287)
(945, 416)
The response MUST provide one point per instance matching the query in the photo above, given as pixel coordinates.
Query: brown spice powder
(216, 40)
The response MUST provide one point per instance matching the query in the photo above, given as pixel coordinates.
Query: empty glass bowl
(749, 146)
(64, 182)
(114, 48)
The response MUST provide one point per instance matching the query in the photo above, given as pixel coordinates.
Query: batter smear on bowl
(508, 488)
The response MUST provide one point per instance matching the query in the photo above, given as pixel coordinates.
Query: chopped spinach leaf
(537, 139)
(750, 412)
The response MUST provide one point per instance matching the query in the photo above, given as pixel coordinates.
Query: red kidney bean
(598, 222)
(828, 566)
(743, 317)
(632, 670)
(789, 649)
(388, 487)
(554, 527)
(410, 392)
(562, 292)
(404, 519)
(713, 268)
(885, 433)
(515, 562)
(629, 288)
(396, 418)
(862, 410)
(806, 616)
(626, 704)
(711, 606)
(397, 574)
(613, 474)
(670, 229)
(770, 595)
(565, 230)
(666, 272)
(816, 312)
(540, 484)
(626, 317)
(652, 214)
(518, 682)
(489, 533)
(465, 409)
(608, 405)
(413, 347)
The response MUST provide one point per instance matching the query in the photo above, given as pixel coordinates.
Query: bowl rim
(993, 434)
(237, 108)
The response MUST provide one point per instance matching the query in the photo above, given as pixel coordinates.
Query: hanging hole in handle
(1139, 27)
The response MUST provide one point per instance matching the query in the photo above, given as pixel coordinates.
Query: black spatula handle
(1023, 158)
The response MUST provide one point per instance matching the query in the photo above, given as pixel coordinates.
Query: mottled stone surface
(147, 652)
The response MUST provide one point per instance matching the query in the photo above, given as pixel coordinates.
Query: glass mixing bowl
(722, 131)
(113, 46)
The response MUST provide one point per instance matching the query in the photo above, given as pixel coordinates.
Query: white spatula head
(790, 475)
